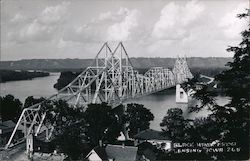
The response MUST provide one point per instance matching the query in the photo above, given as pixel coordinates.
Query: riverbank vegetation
(11, 75)
(65, 78)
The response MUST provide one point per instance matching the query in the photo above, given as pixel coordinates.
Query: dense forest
(10, 75)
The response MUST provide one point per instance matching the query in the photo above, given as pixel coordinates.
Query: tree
(29, 101)
(202, 129)
(10, 108)
(236, 84)
(236, 80)
(204, 94)
(72, 142)
(102, 124)
(138, 117)
(65, 78)
(228, 123)
(69, 128)
(174, 124)
(231, 121)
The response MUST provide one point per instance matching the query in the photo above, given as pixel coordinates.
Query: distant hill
(61, 64)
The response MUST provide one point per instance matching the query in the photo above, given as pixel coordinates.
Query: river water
(158, 103)
(37, 87)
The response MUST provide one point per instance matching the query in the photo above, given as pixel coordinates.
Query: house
(113, 153)
(6, 128)
(121, 153)
(97, 154)
(155, 138)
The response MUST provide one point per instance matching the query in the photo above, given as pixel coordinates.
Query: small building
(113, 153)
(6, 129)
(155, 138)
(97, 154)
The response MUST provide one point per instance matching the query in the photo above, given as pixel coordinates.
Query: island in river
(14, 75)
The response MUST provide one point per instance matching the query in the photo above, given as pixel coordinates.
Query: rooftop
(150, 134)
(7, 126)
(116, 152)
(101, 152)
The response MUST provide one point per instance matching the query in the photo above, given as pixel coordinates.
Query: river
(158, 103)
(37, 87)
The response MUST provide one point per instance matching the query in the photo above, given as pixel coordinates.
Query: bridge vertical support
(30, 145)
(181, 95)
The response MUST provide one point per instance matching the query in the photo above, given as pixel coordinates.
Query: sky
(56, 29)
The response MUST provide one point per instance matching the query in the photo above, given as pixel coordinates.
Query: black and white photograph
(124, 80)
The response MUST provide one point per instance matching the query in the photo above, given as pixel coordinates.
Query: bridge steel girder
(112, 79)
(181, 70)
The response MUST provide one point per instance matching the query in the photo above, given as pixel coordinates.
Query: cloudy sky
(149, 28)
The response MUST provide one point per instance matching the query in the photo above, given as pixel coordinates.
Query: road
(211, 78)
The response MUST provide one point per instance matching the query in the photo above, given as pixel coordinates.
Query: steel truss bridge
(111, 79)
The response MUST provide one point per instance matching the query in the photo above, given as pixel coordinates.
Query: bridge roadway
(110, 79)
(211, 79)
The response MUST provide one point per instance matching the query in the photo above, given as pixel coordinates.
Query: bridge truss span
(111, 79)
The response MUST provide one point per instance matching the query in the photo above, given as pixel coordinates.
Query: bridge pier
(181, 95)
(30, 146)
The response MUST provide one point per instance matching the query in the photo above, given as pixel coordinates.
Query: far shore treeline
(11, 75)
(58, 65)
